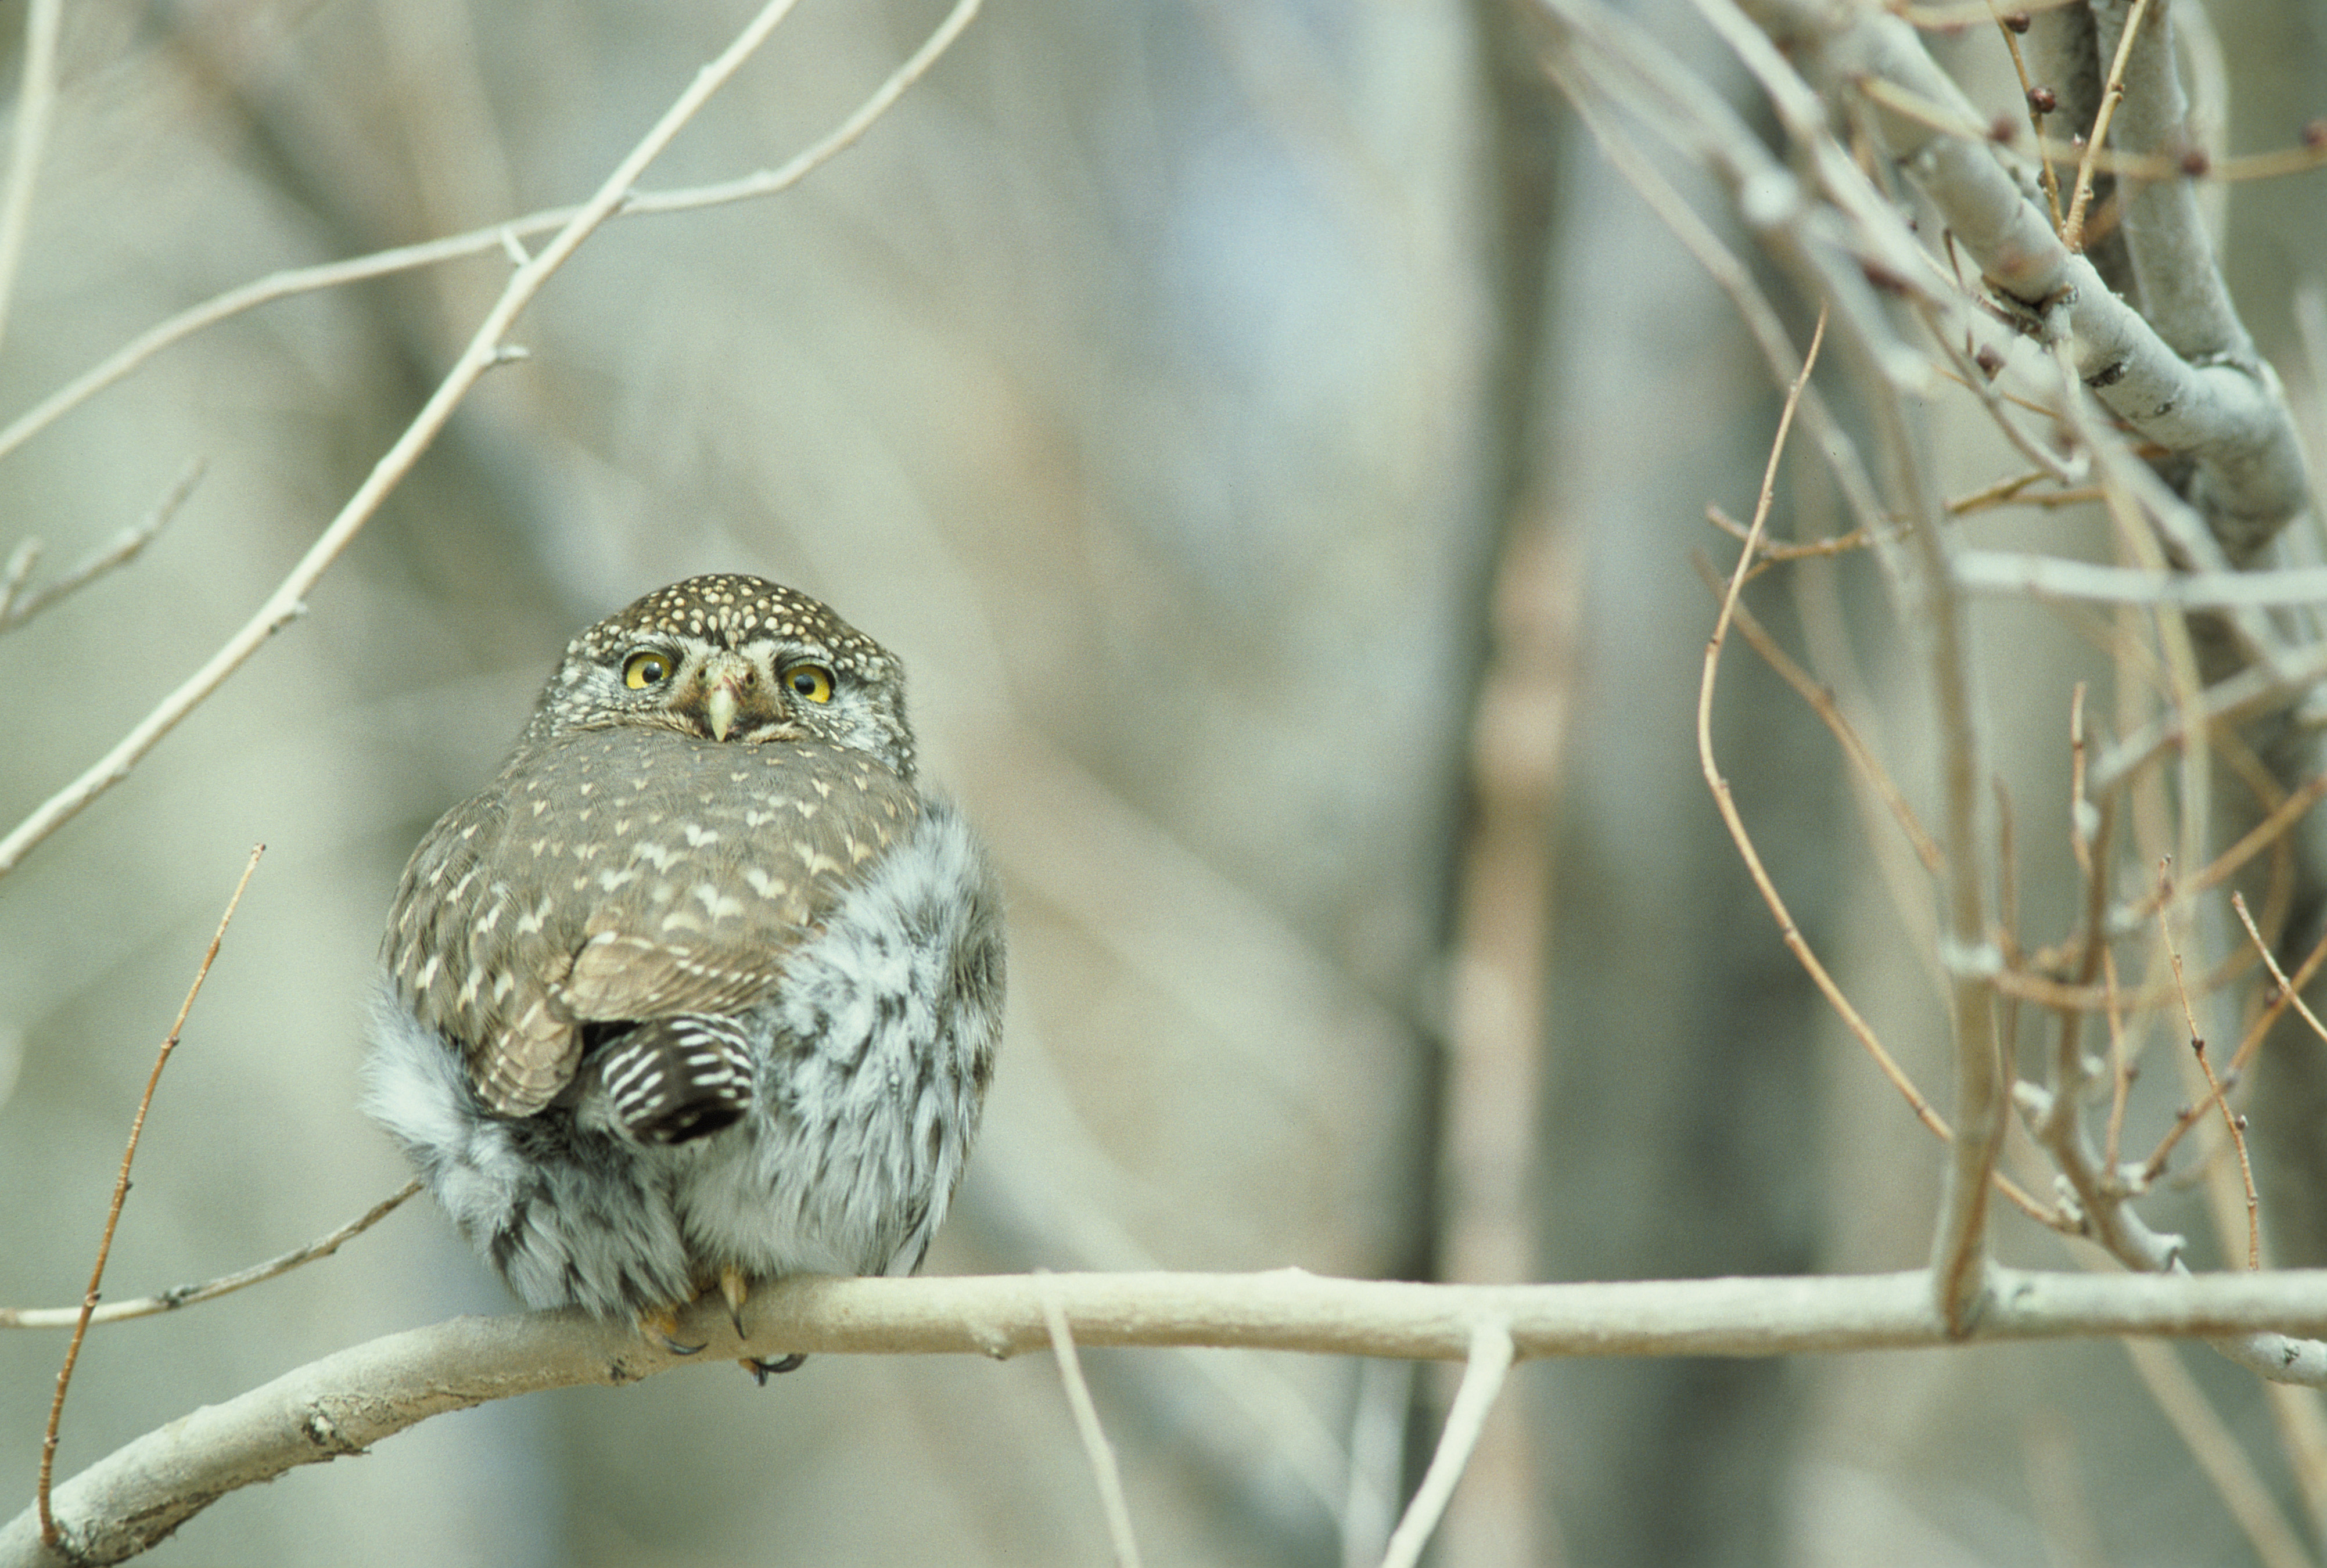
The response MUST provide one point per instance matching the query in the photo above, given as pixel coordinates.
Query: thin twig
(49, 1534)
(2278, 163)
(1791, 549)
(2122, 1069)
(35, 103)
(2262, 836)
(2072, 232)
(2252, 692)
(2290, 993)
(2007, 876)
(2286, 988)
(1723, 801)
(1492, 1352)
(2091, 847)
(2002, 492)
(2028, 96)
(2046, 992)
(1822, 702)
(2237, 1125)
(2216, 1089)
(1096, 1447)
(16, 608)
(1788, 931)
(2081, 838)
(170, 1300)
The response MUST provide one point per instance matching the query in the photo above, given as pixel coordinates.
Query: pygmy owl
(702, 989)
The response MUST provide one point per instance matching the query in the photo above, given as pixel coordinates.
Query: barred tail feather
(673, 1080)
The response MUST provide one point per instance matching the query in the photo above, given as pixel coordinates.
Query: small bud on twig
(2043, 100)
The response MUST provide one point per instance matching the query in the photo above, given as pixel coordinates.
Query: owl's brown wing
(474, 946)
(789, 830)
(628, 874)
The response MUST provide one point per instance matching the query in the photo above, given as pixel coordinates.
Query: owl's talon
(734, 1289)
(661, 1327)
(764, 1370)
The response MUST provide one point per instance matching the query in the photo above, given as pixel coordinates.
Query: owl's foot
(735, 1290)
(764, 1370)
(660, 1327)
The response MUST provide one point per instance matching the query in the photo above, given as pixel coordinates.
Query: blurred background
(1274, 440)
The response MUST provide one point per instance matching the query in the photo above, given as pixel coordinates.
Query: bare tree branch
(2226, 415)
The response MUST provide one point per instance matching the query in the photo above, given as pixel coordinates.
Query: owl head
(735, 661)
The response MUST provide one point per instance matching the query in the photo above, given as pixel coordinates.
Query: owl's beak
(729, 681)
(719, 709)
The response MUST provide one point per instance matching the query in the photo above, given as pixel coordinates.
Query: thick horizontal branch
(347, 1402)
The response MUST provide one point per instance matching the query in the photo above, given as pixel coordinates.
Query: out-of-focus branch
(500, 237)
(2253, 691)
(1494, 1075)
(1970, 956)
(35, 102)
(347, 1402)
(486, 349)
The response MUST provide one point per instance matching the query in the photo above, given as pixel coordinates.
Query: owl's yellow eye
(646, 668)
(812, 681)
